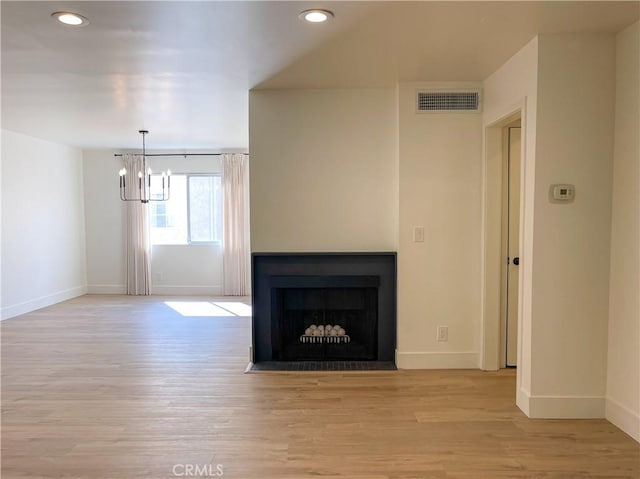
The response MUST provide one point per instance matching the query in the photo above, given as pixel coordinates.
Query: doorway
(495, 274)
(510, 244)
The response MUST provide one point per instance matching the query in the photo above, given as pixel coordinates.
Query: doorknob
(516, 260)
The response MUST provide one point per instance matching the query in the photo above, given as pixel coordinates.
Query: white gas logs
(325, 333)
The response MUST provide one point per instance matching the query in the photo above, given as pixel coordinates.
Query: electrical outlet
(418, 234)
(443, 333)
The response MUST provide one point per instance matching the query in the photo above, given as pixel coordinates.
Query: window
(205, 218)
(193, 213)
(159, 215)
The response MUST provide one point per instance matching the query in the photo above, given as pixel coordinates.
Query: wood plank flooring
(127, 387)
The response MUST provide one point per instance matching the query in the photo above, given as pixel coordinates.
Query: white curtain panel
(235, 214)
(138, 244)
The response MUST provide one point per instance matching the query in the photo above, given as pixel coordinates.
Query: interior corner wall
(104, 218)
(324, 170)
(440, 165)
(175, 269)
(1, 226)
(43, 233)
(514, 86)
(623, 364)
(570, 282)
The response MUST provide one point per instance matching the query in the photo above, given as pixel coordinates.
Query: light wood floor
(126, 387)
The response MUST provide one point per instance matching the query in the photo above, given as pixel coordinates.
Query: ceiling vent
(436, 101)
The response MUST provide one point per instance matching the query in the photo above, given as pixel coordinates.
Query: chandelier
(144, 191)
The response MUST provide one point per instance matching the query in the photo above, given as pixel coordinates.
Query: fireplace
(325, 318)
(331, 307)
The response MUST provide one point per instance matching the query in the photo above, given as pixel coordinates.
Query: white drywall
(43, 243)
(175, 269)
(104, 219)
(623, 365)
(439, 190)
(570, 276)
(0, 220)
(324, 170)
(324, 178)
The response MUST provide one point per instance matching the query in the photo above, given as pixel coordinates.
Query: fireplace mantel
(271, 271)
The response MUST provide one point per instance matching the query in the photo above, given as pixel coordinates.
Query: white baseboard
(42, 302)
(107, 289)
(623, 418)
(435, 360)
(579, 407)
(187, 290)
(522, 401)
(566, 407)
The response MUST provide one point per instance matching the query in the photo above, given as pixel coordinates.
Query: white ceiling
(183, 69)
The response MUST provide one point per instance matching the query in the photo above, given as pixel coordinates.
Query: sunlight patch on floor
(193, 309)
(239, 309)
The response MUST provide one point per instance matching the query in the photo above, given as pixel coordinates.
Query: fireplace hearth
(324, 308)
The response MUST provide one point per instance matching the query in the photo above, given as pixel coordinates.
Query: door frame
(492, 186)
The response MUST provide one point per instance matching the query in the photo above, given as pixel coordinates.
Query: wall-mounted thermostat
(563, 192)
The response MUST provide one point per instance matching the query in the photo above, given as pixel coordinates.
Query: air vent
(441, 101)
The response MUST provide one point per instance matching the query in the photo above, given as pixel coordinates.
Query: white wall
(324, 170)
(513, 87)
(324, 177)
(43, 243)
(623, 371)
(104, 219)
(574, 144)
(175, 269)
(1, 218)
(440, 190)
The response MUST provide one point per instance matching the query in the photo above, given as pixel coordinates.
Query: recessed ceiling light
(316, 16)
(69, 18)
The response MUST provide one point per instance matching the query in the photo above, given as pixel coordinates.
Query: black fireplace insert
(324, 307)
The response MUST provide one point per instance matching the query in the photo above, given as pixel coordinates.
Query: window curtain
(138, 244)
(235, 217)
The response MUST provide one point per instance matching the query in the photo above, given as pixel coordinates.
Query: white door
(513, 241)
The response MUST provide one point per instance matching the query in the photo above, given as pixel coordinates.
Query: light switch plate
(418, 234)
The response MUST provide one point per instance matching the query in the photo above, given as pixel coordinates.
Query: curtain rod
(186, 154)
